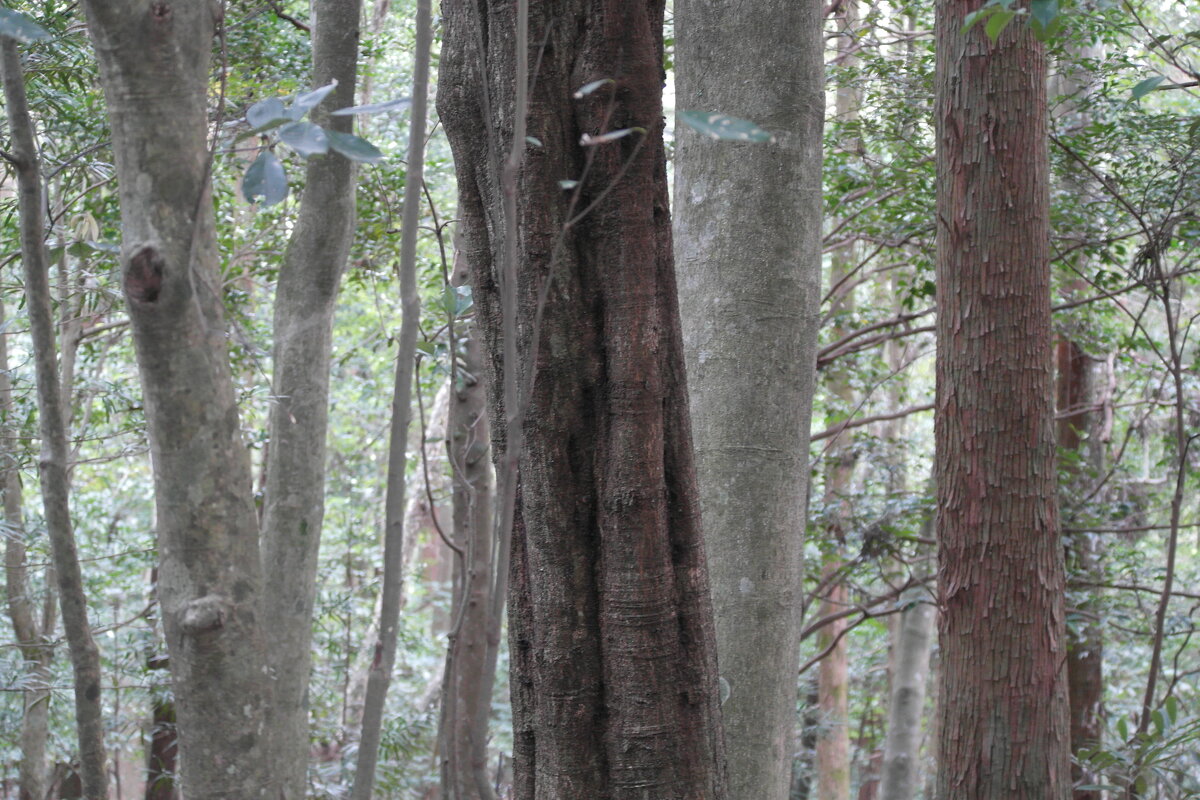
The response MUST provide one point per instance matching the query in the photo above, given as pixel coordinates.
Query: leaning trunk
(154, 67)
(1004, 727)
(294, 503)
(749, 275)
(53, 466)
(610, 629)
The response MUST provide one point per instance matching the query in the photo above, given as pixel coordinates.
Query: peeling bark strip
(154, 67)
(1004, 730)
(614, 678)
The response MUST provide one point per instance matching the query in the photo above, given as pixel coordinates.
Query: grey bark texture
(747, 232)
(53, 463)
(380, 672)
(154, 67)
(33, 637)
(294, 501)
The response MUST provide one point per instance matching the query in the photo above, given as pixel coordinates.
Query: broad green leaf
(1146, 87)
(587, 140)
(305, 138)
(997, 22)
(265, 179)
(719, 126)
(398, 104)
(1160, 724)
(1044, 33)
(1172, 706)
(427, 348)
(266, 114)
(1123, 729)
(354, 147)
(588, 88)
(309, 100)
(16, 25)
(1044, 11)
(465, 301)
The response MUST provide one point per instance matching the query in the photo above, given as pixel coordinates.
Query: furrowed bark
(749, 278)
(294, 501)
(53, 463)
(1004, 731)
(380, 672)
(613, 663)
(154, 67)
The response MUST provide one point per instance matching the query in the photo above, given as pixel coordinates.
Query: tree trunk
(901, 772)
(294, 502)
(610, 629)
(749, 279)
(471, 665)
(1004, 731)
(154, 67)
(53, 464)
(33, 637)
(379, 675)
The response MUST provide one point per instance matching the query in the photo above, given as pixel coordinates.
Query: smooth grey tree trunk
(380, 673)
(747, 234)
(154, 62)
(53, 463)
(294, 502)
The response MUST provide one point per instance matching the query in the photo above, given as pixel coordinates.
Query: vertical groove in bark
(749, 274)
(294, 502)
(613, 663)
(53, 466)
(154, 66)
(471, 664)
(380, 673)
(1004, 731)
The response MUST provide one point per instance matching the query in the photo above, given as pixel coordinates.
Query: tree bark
(154, 67)
(380, 673)
(1004, 731)
(615, 689)
(294, 501)
(749, 274)
(53, 463)
(471, 664)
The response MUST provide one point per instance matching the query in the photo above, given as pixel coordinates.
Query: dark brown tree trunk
(614, 678)
(1004, 731)
(1085, 639)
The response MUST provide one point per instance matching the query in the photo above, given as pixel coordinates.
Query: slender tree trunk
(154, 67)
(380, 673)
(53, 464)
(610, 629)
(294, 502)
(749, 275)
(901, 772)
(1004, 731)
(470, 667)
(33, 637)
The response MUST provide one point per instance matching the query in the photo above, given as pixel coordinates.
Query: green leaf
(1146, 87)
(719, 126)
(309, 100)
(587, 140)
(449, 301)
(427, 348)
(588, 88)
(1044, 33)
(354, 147)
(1172, 706)
(997, 22)
(1160, 724)
(399, 104)
(1123, 729)
(305, 138)
(267, 114)
(1044, 11)
(265, 179)
(17, 26)
(465, 301)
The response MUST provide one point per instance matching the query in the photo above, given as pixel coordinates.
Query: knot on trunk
(204, 614)
(144, 277)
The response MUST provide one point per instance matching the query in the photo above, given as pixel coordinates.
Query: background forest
(1124, 95)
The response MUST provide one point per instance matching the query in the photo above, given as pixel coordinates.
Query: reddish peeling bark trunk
(1004, 733)
(614, 677)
